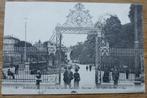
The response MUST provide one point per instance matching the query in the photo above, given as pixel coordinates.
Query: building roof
(10, 37)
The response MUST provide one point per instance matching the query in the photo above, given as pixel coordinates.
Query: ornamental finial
(79, 6)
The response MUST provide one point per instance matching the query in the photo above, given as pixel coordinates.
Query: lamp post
(25, 49)
(26, 64)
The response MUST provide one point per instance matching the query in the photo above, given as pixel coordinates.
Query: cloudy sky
(42, 18)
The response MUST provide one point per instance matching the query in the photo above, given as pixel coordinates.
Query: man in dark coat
(68, 76)
(115, 76)
(65, 77)
(106, 77)
(76, 79)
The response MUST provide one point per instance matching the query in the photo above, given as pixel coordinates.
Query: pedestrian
(76, 79)
(12, 68)
(68, 77)
(127, 73)
(10, 74)
(38, 79)
(115, 76)
(106, 76)
(65, 77)
(90, 67)
(87, 68)
(16, 69)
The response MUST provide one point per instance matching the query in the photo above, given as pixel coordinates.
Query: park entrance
(79, 21)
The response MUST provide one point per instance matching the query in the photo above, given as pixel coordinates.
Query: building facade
(10, 56)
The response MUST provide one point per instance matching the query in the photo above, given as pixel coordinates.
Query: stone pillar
(98, 60)
(136, 42)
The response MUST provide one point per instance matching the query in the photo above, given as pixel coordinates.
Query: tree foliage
(112, 31)
(76, 51)
(116, 34)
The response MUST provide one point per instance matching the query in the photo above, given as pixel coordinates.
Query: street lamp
(26, 65)
(25, 49)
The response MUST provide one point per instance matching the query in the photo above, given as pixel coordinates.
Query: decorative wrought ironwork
(77, 30)
(79, 17)
(78, 21)
(104, 49)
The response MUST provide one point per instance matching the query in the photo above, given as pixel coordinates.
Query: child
(38, 79)
(76, 79)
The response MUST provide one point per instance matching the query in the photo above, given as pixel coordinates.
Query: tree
(127, 36)
(112, 30)
(139, 13)
(89, 49)
(116, 34)
(76, 51)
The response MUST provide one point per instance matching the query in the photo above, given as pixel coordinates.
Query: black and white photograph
(72, 48)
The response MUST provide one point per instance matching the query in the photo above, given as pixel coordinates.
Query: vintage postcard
(72, 48)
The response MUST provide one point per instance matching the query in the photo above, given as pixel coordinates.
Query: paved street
(87, 78)
(87, 85)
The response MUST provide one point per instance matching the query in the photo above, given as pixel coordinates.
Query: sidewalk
(44, 85)
(20, 90)
(50, 86)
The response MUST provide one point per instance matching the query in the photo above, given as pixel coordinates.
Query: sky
(43, 17)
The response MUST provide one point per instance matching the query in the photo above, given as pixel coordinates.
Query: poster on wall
(72, 48)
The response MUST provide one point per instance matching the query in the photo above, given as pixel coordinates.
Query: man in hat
(68, 76)
(76, 78)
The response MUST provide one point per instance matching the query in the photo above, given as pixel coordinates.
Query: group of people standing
(68, 76)
(89, 67)
(115, 75)
(12, 70)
